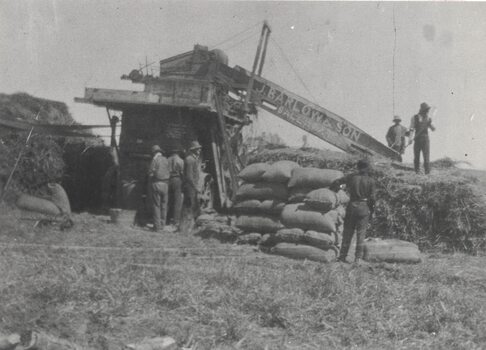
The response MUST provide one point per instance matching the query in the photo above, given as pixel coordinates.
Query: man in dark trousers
(176, 170)
(395, 137)
(192, 169)
(419, 133)
(158, 181)
(361, 189)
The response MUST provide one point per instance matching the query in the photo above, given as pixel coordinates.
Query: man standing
(158, 176)
(176, 171)
(191, 180)
(396, 135)
(419, 126)
(361, 189)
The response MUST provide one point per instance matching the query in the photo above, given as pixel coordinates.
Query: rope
(294, 70)
(394, 52)
(241, 41)
(234, 36)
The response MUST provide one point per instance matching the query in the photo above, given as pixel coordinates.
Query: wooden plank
(227, 149)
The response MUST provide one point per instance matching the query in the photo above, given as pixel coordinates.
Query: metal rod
(265, 44)
(255, 63)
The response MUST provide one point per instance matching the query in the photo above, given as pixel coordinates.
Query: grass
(225, 296)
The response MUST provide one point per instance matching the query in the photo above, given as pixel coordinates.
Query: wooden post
(226, 145)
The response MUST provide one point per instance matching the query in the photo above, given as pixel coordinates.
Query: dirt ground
(102, 286)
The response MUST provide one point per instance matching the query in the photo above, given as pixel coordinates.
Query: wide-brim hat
(424, 106)
(156, 148)
(194, 145)
(395, 118)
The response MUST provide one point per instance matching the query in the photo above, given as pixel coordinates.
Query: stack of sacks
(261, 198)
(313, 217)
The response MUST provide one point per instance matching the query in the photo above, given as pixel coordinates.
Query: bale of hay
(322, 199)
(280, 171)
(301, 252)
(262, 191)
(391, 250)
(38, 205)
(298, 194)
(314, 177)
(250, 238)
(253, 172)
(299, 215)
(260, 224)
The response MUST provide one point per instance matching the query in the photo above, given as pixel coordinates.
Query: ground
(102, 286)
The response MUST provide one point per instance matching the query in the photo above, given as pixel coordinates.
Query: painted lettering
(355, 135)
(271, 93)
(306, 110)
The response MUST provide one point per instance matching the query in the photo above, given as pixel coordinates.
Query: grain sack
(249, 238)
(342, 198)
(253, 172)
(322, 199)
(38, 205)
(314, 177)
(289, 235)
(391, 250)
(280, 171)
(272, 207)
(319, 239)
(260, 224)
(250, 206)
(298, 215)
(299, 251)
(298, 194)
(59, 197)
(262, 191)
(256, 207)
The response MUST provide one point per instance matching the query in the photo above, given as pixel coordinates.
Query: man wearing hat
(158, 177)
(419, 133)
(176, 171)
(361, 189)
(396, 135)
(191, 179)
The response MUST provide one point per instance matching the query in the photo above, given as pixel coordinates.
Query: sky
(365, 61)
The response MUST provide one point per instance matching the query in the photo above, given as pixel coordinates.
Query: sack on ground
(289, 235)
(262, 191)
(253, 172)
(59, 197)
(314, 177)
(391, 250)
(298, 194)
(299, 251)
(299, 215)
(249, 238)
(259, 224)
(322, 199)
(38, 205)
(280, 171)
